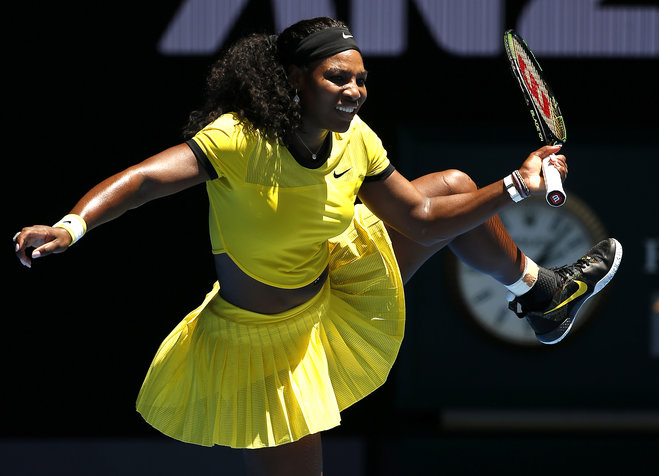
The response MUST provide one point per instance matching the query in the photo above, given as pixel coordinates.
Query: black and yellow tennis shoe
(575, 285)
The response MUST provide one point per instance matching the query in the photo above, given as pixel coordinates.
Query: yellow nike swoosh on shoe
(583, 287)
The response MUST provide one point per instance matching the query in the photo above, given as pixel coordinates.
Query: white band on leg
(528, 279)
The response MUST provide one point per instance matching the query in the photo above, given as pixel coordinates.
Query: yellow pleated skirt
(237, 378)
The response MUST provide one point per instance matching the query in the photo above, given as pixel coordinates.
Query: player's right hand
(43, 240)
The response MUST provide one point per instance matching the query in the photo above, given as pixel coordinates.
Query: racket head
(539, 97)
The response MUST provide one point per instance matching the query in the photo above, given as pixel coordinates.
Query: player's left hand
(531, 169)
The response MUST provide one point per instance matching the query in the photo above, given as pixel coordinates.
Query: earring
(296, 98)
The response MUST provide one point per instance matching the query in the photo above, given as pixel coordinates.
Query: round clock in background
(550, 237)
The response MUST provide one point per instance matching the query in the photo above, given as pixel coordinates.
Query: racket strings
(541, 95)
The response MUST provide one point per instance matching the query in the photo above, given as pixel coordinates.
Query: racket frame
(555, 194)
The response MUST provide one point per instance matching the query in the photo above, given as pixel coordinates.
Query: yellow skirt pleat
(237, 378)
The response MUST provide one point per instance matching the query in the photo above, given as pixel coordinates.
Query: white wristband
(511, 189)
(74, 224)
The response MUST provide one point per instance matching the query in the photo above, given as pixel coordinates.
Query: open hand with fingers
(43, 240)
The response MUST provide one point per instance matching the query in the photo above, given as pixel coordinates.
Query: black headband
(323, 44)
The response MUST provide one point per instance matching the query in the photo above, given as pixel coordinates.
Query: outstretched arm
(428, 220)
(173, 170)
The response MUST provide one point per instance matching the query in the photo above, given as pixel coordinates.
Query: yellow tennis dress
(242, 379)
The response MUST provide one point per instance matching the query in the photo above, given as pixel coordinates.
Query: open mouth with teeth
(347, 109)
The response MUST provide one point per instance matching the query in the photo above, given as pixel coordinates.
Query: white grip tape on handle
(555, 194)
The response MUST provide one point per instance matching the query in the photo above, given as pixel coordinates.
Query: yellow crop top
(270, 214)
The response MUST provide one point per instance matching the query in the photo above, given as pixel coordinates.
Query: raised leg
(549, 299)
(487, 247)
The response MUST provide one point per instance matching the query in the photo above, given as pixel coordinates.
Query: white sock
(524, 284)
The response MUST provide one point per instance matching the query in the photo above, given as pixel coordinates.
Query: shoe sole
(565, 326)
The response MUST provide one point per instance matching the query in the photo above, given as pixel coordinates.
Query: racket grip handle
(555, 194)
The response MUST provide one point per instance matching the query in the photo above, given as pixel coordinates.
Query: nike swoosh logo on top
(583, 287)
(339, 175)
(346, 36)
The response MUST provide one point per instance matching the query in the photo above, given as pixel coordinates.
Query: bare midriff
(243, 291)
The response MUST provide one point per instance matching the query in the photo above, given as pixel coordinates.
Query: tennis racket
(543, 107)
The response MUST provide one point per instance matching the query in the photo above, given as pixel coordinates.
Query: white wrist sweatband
(511, 189)
(74, 224)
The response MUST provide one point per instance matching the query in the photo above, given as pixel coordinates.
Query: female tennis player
(307, 313)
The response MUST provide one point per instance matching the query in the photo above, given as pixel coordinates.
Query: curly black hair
(250, 80)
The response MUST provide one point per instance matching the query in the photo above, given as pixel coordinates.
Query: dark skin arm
(172, 170)
(396, 200)
(428, 220)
